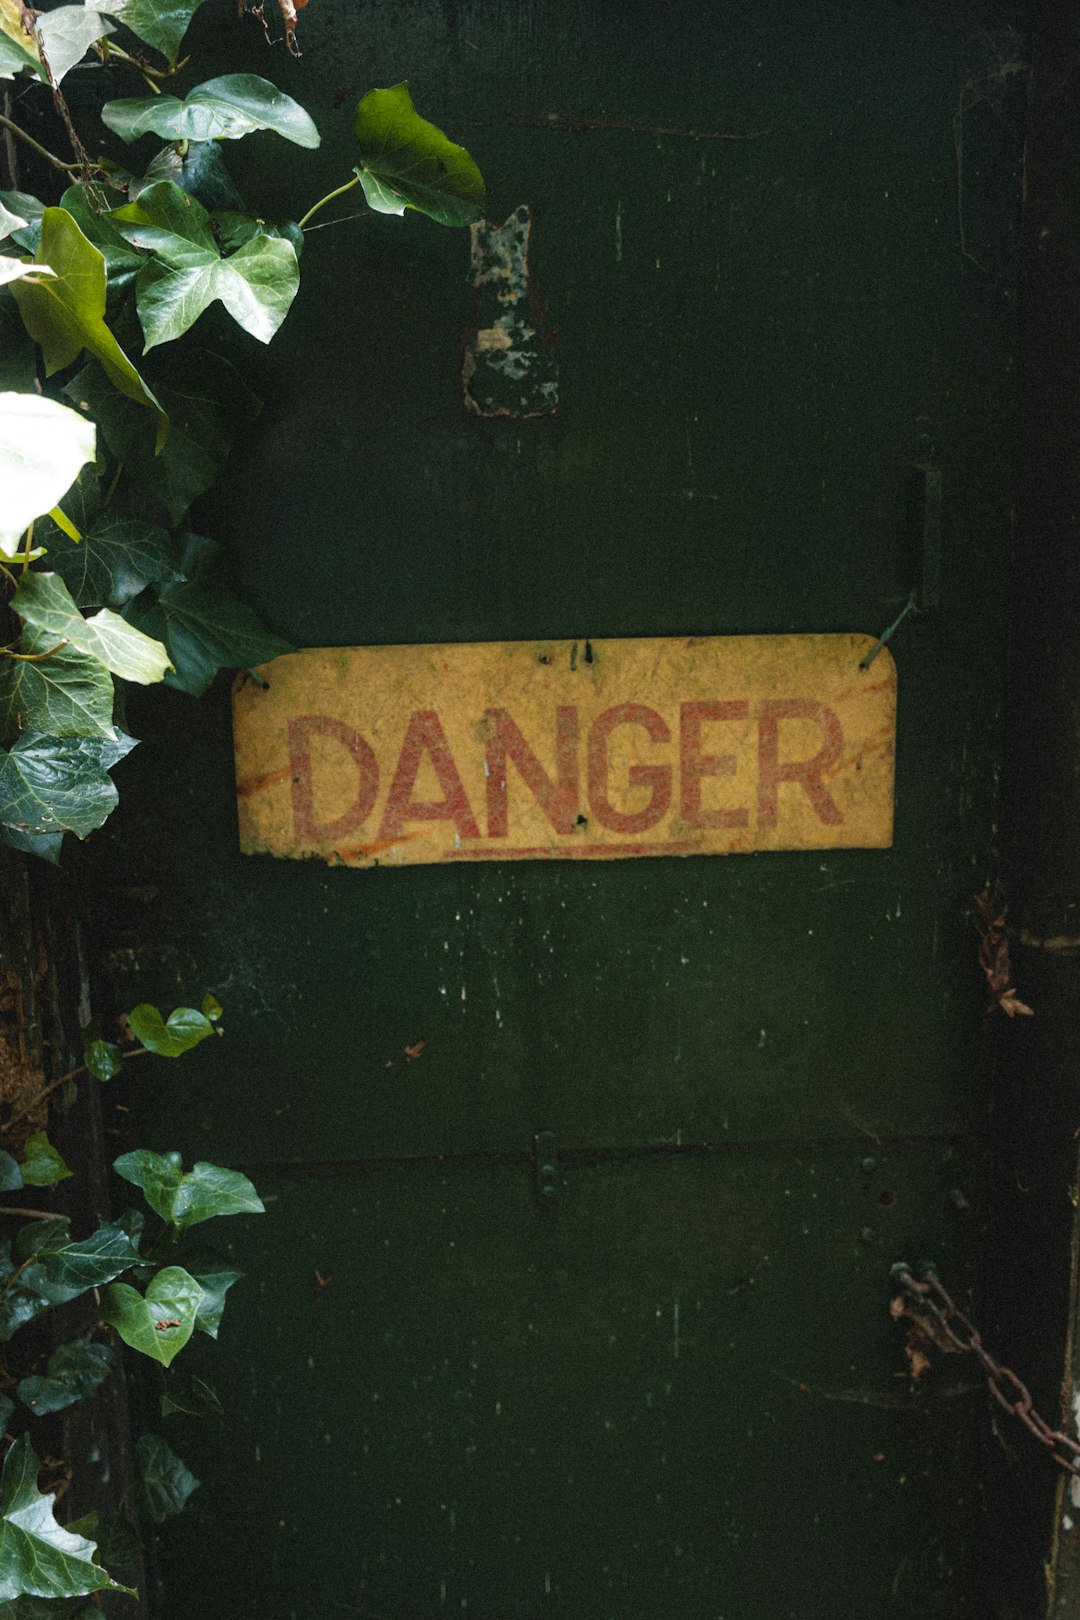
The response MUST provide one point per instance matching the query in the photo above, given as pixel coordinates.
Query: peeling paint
(509, 367)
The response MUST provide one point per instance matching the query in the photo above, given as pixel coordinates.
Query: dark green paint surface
(747, 332)
(621, 1406)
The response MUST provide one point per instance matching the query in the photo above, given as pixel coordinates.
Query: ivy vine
(111, 428)
(113, 422)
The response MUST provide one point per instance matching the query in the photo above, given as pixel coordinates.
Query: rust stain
(259, 784)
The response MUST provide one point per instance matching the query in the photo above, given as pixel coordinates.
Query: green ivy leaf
(47, 845)
(187, 274)
(27, 207)
(209, 405)
(207, 1190)
(200, 170)
(67, 33)
(161, 23)
(63, 1268)
(10, 1174)
(192, 1397)
(18, 49)
(42, 447)
(222, 109)
(44, 601)
(103, 1059)
(65, 312)
(67, 695)
(37, 1555)
(42, 1165)
(405, 162)
(183, 1029)
(18, 354)
(215, 1277)
(89, 205)
(205, 628)
(160, 1322)
(15, 269)
(167, 1482)
(11, 222)
(59, 784)
(236, 228)
(75, 1371)
(212, 1008)
(118, 1544)
(115, 560)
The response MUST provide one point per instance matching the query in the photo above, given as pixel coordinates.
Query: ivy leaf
(18, 47)
(65, 313)
(14, 269)
(42, 447)
(10, 222)
(215, 1277)
(222, 109)
(406, 162)
(193, 1397)
(18, 355)
(10, 1174)
(37, 1555)
(89, 206)
(206, 628)
(67, 33)
(44, 601)
(184, 1200)
(42, 1165)
(115, 560)
(103, 1059)
(160, 23)
(209, 405)
(187, 274)
(59, 784)
(67, 695)
(75, 1371)
(29, 209)
(236, 228)
(200, 170)
(65, 1267)
(212, 1008)
(183, 1029)
(160, 1322)
(47, 845)
(167, 1482)
(118, 1545)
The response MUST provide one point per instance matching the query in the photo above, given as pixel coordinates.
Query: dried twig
(288, 9)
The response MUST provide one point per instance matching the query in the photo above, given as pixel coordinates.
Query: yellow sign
(567, 750)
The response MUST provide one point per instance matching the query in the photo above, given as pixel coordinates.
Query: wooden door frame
(1032, 1298)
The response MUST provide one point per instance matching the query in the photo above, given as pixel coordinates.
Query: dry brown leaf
(918, 1361)
(994, 958)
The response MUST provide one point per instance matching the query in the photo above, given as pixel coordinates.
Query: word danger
(588, 763)
(567, 750)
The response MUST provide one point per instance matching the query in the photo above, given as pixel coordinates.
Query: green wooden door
(675, 1390)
